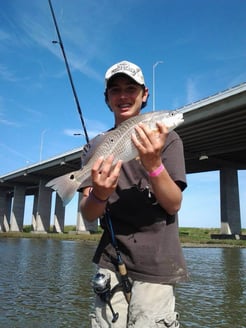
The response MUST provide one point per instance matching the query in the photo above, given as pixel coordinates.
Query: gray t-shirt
(147, 236)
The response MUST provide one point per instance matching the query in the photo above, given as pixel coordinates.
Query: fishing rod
(101, 282)
(69, 73)
(125, 282)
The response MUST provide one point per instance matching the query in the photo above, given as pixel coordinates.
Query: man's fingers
(104, 168)
(98, 164)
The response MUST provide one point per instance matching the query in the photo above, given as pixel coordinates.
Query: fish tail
(66, 186)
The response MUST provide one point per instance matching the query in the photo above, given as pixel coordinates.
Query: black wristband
(96, 199)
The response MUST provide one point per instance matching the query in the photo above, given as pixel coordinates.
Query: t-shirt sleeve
(173, 159)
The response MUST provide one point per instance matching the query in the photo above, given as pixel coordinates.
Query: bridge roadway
(214, 137)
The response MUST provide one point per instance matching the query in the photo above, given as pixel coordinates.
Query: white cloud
(93, 129)
(6, 74)
(13, 151)
(4, 35)
(7, 122)
(192, 94)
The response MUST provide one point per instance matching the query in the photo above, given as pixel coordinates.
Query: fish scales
(117, 143)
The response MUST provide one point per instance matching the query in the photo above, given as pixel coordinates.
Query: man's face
(125, 97)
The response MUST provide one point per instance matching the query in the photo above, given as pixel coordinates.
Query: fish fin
(65, 185)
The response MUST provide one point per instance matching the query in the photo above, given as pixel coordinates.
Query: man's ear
(145, 97)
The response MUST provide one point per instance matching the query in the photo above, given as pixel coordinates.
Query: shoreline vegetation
(189, 237)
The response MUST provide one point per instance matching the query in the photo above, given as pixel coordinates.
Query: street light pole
(154, 67)
(41, 145)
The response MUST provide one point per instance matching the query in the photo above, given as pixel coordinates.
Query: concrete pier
(17, 213)
(229, 202)
(82, 224)
(5, 210)
(43, 208)
(59, 216)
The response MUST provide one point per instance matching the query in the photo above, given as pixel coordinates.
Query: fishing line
(69, 73)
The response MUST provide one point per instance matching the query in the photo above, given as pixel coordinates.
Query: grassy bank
(197, 237)
(202, 237)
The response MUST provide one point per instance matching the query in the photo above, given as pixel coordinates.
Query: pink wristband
(156, 172)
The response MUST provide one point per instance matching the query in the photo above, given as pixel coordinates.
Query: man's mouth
(124, 106)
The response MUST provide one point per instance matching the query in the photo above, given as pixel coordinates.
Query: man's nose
(123, 93)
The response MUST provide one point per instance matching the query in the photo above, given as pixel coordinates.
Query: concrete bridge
(31, 180)
(214, 137)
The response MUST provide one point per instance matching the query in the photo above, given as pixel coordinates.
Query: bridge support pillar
(59, 216)
(229, 202)
(17, 213)
(5, 208)
(42, 224)
(34, 212)
(84, 226)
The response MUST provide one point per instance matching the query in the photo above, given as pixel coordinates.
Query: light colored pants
(151, 306)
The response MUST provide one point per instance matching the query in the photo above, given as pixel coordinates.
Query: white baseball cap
(127, 68)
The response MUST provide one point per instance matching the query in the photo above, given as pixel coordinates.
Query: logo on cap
(127, 68)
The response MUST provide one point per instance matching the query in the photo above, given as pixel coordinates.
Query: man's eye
(131, 89)
(114, 90)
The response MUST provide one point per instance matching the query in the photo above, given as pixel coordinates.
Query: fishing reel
(102, 287)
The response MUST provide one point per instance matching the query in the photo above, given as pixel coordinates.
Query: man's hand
(105, 176)
(150, 144)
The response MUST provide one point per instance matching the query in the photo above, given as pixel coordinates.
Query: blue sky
(202, 45)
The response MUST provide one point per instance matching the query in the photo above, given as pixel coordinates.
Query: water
(216, 294)
(46, 283)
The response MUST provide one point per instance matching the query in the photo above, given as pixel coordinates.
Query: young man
(141, 199)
